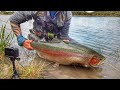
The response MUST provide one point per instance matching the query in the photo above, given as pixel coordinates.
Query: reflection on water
(99, 33)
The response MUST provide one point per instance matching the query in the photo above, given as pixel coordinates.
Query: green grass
(5, 70)
(33, 70)
(5, 41)
(5, 38)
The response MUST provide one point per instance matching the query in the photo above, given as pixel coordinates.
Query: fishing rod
(13, 54)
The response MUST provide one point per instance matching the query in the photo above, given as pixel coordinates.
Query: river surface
(99, 33)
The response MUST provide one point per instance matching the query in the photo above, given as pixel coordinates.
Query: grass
(5, 39)
(32, 71)
(5, 70)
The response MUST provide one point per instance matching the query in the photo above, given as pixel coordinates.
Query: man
(45, 23)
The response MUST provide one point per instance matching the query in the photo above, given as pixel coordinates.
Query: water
(99, 33)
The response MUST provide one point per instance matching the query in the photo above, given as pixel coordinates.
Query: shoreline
(6, 13)
(83, 13)
(97, 13)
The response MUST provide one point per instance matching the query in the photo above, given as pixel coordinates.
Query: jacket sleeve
(21, 16)
(65, 29)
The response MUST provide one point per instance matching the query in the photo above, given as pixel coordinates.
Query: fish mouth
(95, 61)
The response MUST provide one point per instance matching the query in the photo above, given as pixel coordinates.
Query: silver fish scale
(83, 49)
(59, 45)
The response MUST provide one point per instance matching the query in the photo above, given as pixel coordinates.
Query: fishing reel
(13, 54)
(49, 36)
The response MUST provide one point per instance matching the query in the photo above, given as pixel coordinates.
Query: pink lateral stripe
(62, 53)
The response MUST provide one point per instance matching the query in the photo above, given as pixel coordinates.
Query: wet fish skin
(65, 56)
(72, 53)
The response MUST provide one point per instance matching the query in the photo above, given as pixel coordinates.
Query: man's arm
(19, 17)
(15, 20)
(65, 29)
(16, 28)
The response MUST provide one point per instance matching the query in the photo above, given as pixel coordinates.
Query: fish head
(96, 60)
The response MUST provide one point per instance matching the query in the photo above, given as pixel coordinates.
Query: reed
(5, 38)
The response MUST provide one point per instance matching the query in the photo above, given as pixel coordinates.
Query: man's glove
(24, 42)
(21, 40)
(65, 39)
(27, 45)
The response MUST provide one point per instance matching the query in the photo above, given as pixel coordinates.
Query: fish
(67, 53)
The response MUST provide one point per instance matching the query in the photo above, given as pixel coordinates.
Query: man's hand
(27, 45)
(66, 40)
(24, 42)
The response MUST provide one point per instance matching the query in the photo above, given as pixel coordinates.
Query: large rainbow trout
(71, 53)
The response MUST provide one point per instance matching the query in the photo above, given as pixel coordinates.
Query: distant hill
(97, 13)
(82, 13)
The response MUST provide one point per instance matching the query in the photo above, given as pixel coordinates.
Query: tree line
(81, 13)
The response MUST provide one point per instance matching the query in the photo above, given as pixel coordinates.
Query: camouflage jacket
(42, 20)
